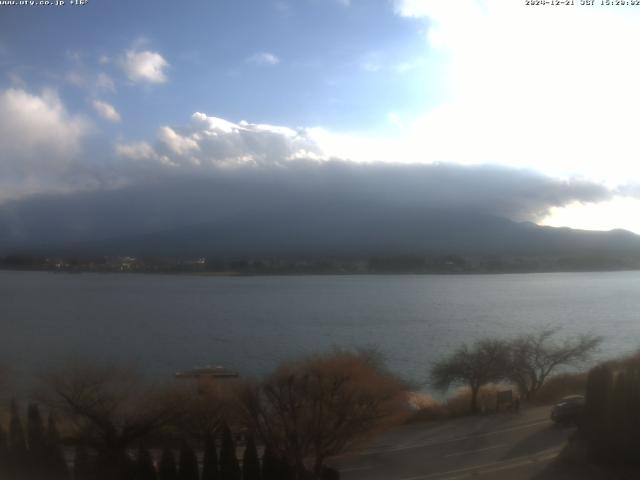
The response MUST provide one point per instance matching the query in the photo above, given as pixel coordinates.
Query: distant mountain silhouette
(356, 232)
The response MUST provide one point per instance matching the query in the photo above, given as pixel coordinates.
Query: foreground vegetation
(526, 361)
(284, 427)
(115, 426)
(609, 433)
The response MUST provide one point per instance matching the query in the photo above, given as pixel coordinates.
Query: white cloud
(105, 82)
(39, 139)
(135, 151)
(34, 124)
(211, 143)
(263, 59)
(76, 78)
(178, 144)
(106, 111)
(16, 80)
(371, 67)
(145, 66)
(526, 87)
(94, 83)
(532, 88)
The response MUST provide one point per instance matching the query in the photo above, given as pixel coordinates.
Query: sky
(537, 104)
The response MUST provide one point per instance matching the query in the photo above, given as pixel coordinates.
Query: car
(568, 411)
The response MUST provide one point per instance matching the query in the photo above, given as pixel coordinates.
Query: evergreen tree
(270, 465)
(82, 464)
(210, 460)
(285, 472)
(229, 467)
(633, 400)
(598, 396)
(4, 454)
(328, 473)
(188, 463)
(55, 462)
(618, 423)
(144, 465)
(18, 454)
(250, 461)
(36, 441)
(168, 469)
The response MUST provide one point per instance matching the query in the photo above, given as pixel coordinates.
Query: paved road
(507, 445)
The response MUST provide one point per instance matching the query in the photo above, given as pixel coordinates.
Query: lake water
(168, 323)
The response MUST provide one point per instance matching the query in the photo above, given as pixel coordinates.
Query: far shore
(232, 273)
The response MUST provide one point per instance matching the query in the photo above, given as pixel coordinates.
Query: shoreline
(227, 274)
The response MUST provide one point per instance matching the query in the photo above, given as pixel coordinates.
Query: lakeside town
(389, 264)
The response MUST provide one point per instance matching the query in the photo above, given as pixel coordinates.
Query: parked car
(568, 411)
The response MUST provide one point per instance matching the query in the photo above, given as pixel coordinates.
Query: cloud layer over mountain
(211, 169)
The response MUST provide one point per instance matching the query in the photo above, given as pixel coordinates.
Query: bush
(457, 405)
(322, 406)
(611, 424)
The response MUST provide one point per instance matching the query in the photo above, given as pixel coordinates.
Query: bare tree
(474, 366)
(533, 357)
(205, 412)
(111, 409)
(320, 407)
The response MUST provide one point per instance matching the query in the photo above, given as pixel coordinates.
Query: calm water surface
(169, 323)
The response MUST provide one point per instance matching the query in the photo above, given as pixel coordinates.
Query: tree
(535, 356)
(168, 469)
(83, 468)
(475, 366)
(270, 465)
(229, 467)
(111, 409)
(36, 441)
(144, 465)
(210, 460)
(187, 463)
(611, 421)
(203, 413)
(4, 454)
(330, 474)
(18, 453)
(285, 472)
(322, 406)
(250, 461)
(55, 462)
(618, 421)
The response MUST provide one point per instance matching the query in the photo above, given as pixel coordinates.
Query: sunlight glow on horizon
(618, 213)
(563, 103)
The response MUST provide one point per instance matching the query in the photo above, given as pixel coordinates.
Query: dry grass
(426, 408)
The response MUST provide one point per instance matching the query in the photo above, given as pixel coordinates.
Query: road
(501, 446)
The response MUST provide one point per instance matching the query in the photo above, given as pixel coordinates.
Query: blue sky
(113, 93)
(338, 66)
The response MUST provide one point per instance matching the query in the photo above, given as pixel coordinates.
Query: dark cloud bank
(304, 207)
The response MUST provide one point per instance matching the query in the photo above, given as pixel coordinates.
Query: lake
(168, 323)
